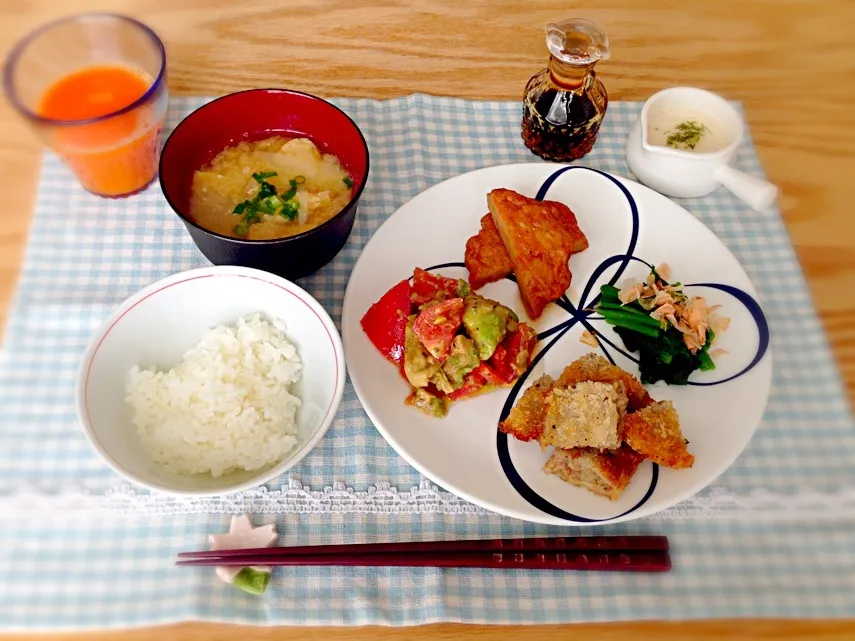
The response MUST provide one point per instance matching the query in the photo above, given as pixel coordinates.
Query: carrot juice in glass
(94, 86)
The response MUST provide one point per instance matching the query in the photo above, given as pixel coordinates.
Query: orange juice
(114, 156)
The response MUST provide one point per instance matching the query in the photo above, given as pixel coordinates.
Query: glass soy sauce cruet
(564, 104)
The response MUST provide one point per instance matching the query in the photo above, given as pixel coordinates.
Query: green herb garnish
(265, 190)
(267, 201)
(347, 181)
(686, 135)
(262, 175)
(270, 204)
(290, 210)
(288, 195)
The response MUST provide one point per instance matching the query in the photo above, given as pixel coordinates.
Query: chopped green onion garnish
(290, 210)
(265, 190)
(260, 176)
(347, 181)
(288, 195)
(266, 201)
(270, 204)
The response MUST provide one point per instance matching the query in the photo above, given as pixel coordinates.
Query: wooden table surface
(790, 62)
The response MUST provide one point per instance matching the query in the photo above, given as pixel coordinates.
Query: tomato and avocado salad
(449, 342)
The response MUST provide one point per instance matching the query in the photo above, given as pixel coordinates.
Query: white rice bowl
(226, 406)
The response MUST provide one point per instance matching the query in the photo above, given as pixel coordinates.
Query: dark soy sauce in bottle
(564, 104)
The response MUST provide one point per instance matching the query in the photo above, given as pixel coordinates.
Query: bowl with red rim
(254, 115)
(156, 326)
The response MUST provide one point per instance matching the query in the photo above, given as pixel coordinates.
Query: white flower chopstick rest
(242, 535)
(683, 143)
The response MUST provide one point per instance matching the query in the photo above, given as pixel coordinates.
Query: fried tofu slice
(655, 432)
(593, 367)
(539, 236)
(486, 257)
(585, 415)
(528, 415)
(603, 472)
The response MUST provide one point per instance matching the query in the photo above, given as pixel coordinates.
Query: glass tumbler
(112, 154)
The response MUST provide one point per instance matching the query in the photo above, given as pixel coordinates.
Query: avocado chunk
(428, 403)
(463, 288)
(462, 360)
(419, 365)
(487, 322)
(440, 380)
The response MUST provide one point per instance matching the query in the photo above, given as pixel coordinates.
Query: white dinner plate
(464, 452)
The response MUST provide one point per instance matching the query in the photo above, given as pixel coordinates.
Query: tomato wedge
(428, 287)
(473, 382)
(489, 374)
(385, 322)
(436, 326)
(512, 356)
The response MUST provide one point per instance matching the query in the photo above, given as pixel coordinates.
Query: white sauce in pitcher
(662, 122)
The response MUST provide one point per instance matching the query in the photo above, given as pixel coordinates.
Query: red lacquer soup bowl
(254, 115)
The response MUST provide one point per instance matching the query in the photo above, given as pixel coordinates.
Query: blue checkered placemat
(774, 536)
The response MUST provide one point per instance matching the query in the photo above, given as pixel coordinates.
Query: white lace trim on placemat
(294, 498)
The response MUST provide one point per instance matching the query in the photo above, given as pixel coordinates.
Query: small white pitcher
(684, 173)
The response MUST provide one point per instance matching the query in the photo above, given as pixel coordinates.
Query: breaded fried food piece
(526, 420)
(603, 472)
(655, 432)
(585, 415)
(540, 236)
(486, 257)
(593, 367)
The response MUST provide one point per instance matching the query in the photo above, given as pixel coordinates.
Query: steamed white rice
(226, 406)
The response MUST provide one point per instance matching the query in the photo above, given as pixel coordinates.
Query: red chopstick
(554, 544)
(600, 561)
(620, 553)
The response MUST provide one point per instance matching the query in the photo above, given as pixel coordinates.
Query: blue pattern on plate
(581, 315)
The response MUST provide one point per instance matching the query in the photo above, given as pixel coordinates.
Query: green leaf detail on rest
(252, 581)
